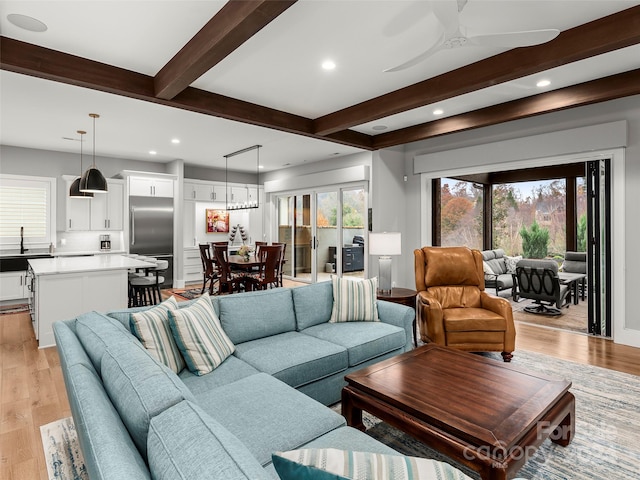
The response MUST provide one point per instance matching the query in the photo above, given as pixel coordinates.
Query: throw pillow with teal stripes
(333, 464)
(200, 337)
(354, 300)
(152, 329)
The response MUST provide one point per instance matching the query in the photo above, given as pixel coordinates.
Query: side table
(403, 296)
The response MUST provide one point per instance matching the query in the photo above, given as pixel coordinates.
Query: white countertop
(51, 266)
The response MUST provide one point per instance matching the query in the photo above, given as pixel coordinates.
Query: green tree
(582, 233)
(535, 241)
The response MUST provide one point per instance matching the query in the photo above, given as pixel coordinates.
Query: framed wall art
(217, 221)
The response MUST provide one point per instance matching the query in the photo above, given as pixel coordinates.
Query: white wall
(387, 199)
(623, 109)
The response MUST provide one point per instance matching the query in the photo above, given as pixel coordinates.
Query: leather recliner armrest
(430, 319)
(502, 307)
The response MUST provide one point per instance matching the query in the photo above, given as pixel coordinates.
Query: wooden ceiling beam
(600, 90)
(29, 59)
(600, 36)
(235, 23)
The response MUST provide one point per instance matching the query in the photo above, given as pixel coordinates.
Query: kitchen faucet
(22, 249)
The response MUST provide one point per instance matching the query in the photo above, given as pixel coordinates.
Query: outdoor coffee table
(482, 413)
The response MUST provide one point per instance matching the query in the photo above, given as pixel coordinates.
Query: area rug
(188, 294)
(19, 308)
(605, 444)
(62, 453)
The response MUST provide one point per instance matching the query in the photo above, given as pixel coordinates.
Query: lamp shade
(385, 243)
(74, 190)
(93, 181)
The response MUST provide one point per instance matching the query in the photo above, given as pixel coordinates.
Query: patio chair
(538, 280)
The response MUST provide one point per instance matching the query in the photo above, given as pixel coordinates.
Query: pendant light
(92, 180)
(74, 191)
(231, 205)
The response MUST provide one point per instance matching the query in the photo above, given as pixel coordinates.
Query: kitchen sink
(18, 262)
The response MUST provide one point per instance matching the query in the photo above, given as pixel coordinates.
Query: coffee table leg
(350, 412)
(563, 433)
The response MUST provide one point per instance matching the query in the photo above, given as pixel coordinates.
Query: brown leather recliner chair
(452, 307)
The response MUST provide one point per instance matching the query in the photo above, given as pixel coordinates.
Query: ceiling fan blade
(447, 14)
(415, 60)
(514, 39)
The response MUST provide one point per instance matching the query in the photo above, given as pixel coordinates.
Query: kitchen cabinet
(13, 286)
(107, 209)
(239, 195)
(97, 282)
(256, 221)
(77, 210)
(150, 187)
(192, 266)
(205, 192)
(189, 224)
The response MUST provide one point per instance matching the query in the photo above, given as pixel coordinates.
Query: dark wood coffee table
(482, 413)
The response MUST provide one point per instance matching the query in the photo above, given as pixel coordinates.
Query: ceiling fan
(453, 36)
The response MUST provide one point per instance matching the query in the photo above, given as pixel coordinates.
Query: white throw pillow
(152, 329)
(354, 300)
(511, 263)
(331, 463)
(486, 268)
(200, 337)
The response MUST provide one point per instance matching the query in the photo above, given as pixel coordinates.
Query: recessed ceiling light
(379, 127)
(543, 83)
(438, 111)
(27, 23)
(175, 140)
(328, 65)
(260, 167)
(152, 152)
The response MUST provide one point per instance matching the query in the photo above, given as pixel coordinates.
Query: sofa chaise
(138, 419)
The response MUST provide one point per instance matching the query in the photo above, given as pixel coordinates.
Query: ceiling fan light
(74, 190)
(93, 181)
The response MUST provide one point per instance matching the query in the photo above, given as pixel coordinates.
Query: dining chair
(227, 280)
(282, 257)
(209, 270)
(269, 257)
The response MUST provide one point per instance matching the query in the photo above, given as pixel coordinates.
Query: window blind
(24, 203)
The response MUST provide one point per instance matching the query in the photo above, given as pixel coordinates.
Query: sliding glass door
(599, 247)
(324, 232)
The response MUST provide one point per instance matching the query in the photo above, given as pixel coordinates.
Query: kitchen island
(65, 287)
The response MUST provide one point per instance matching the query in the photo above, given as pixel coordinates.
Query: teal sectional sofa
(137, 419)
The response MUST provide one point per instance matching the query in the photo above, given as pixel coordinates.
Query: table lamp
(385, 244)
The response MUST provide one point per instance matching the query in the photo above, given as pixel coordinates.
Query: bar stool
(145, 286)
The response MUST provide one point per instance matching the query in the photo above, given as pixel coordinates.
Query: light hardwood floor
(33, 394)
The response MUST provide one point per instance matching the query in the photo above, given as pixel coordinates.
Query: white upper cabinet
(77, 210)
(107, 209)
(204, 191)
(150, 187)
(104, 211)
(239, 195)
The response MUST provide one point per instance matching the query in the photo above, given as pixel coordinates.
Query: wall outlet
(63, 241)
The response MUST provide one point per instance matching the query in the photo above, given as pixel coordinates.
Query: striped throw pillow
(333, 464)
(354, 300)
(200, 337)
(152, 329)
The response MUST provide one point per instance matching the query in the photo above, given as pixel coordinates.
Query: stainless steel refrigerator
(151, 230)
